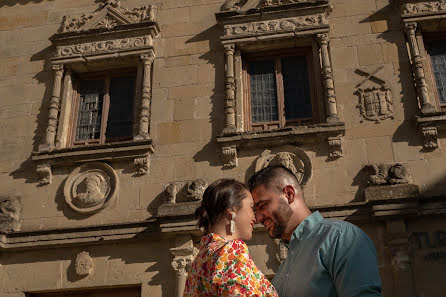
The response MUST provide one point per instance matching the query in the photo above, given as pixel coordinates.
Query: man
(325, 257)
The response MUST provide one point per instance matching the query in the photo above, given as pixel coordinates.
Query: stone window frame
(419, 18)
(277, 56)
(276, 25)
(113, 37)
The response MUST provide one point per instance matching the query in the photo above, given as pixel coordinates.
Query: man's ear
(290, 193)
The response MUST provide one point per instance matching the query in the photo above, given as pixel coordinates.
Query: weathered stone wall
(188, 93)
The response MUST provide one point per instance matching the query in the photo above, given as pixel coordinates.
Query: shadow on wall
(20, 2)
(214, 57)
(27, 168)
(407, 131)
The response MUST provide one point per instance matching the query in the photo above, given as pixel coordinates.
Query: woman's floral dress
(224, 268)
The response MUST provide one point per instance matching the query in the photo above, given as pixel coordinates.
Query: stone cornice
(155, 229)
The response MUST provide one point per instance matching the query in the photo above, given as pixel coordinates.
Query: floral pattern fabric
(224, 268)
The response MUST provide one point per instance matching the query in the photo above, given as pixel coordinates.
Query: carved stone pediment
(294, 158)
(112, 29)
(247, 18)
(245, 5)
(110, 15)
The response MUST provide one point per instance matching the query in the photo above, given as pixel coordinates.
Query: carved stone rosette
(229, 156)
(295, 159)
(418, 70)
(430, 135)
(83, 264)
(91, 187)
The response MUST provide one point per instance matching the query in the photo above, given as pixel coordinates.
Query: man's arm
(354, 265)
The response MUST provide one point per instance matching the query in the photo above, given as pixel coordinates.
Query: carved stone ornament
(375, 102)
(280, 25)
(295, 159)
(229, 156)
(335, 147)
(91, 187)
(400, 258)
(424, 7)
(142, 165)
(430, 135)
(109, 16)
(388, 174)
(282, 250)
(83, 264)
(244, 5)
(187, 191)
(10, 208)
(44, 173)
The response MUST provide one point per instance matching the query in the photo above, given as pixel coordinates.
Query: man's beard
(281, 217)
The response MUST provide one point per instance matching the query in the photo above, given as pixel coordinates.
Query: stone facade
(120, 214)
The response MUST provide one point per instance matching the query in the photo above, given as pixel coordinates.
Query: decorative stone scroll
(430, 135)
(295, 160)
(187, 191)
(388, 174)
(277, 26)
(424, 7)
(83, 264)
(111, 15)
(10, 208)
(91, 187)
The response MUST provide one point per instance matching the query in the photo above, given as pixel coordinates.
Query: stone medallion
(91, 187)
(293, 158)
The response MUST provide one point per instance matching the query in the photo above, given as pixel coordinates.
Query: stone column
(327, 79)
(230, 90)
(53, 110)
(144, 108)
(183, 258)
(417, 69)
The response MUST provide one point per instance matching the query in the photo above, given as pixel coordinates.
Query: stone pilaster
(183, 258)
(53, 110)
(327, 79)
(144, 108)
(230, 90)
(418, 70)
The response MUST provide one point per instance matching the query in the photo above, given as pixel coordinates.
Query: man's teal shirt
(328, 258)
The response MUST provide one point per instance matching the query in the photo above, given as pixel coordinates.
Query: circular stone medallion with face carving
(91, 187)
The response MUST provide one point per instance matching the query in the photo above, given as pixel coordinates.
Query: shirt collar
(306, 226)
(213, 241)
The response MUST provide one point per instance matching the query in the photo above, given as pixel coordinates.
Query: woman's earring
(233, 223)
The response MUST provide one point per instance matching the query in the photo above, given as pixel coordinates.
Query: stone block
(151, 196)
(348, 26)
(346, 8)
(168, 133)
(391, 192)
(161, 170)
(183, 109)
(175, 76)
(15, 111)
(184, 168)
(190, 91)
(379, 149)
(390, 52)
(204, 12)
(379, 26)
(186, 29)
(370, 55)
(207, 74)
(203, 107)
(177, 16)
(178, 209)
(344, 57)
(30, 19)
(186, 45)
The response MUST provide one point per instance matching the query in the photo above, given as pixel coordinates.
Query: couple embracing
(326, 258)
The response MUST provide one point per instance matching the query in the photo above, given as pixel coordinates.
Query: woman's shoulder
(236, 246)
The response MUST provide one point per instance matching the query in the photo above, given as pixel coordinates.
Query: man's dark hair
(267, 175)
(219, 196)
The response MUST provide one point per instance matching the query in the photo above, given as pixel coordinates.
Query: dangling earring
(233, 223)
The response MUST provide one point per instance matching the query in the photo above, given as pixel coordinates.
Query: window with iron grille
(437, 53)
(104, 108)
(279, 90)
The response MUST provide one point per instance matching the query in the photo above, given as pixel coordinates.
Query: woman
(223, 266)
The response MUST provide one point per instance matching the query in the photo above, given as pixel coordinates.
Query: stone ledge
(137, 150)
(438, 120)
(288, 135)
(376, 194)
(178, 209)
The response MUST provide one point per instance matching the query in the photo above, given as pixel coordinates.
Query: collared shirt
(224, 268)
(328, 258)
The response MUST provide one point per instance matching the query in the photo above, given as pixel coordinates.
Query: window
(437, 52)
(279, 90)
(105, 108)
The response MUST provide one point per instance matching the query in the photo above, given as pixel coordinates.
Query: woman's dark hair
(219, 196)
